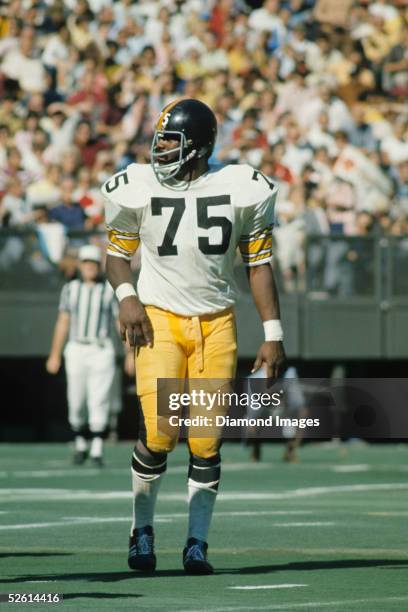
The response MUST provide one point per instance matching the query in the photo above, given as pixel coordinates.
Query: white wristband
(273, 330)
(125, 290)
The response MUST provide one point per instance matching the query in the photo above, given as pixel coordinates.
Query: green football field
(327, 533)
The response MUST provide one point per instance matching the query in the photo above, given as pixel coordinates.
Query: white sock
(200, 507)
(144, 500)
(80, 444)
(96, 447)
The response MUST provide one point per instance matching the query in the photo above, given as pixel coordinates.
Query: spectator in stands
(69, 212)
(89, 197)
(361, 255)
(297, 153)
(277, 168)
(341, 204)
(401, 199)
(91, 94)
(248, 137)
(46, 190)
(51, 234)
(4, 143)
(60, 124)
(35, 157)
(319, 136)
(400, 227)
(56, 49)
(21, 64)
(395, 67)
(88, 145)
(289, 238)
(317, 227)
(13, 168)
(14, 208)
(70, 161)
(396, 144)
(362, 136)
(23, 138)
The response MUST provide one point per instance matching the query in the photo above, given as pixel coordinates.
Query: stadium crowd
(321, 107)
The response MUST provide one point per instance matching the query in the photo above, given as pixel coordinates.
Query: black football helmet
(193, 124)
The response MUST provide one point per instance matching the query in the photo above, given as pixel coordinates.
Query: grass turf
(335, 525)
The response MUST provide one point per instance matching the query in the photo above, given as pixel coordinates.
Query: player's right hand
(53, 364)
(135, 325)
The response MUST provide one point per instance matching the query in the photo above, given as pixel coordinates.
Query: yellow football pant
(202, 347)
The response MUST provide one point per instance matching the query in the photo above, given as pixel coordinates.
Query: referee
(87, 317)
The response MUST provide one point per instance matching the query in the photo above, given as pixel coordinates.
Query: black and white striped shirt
(92, 307)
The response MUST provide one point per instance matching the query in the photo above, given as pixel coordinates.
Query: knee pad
(148, 467)
(100, 433)
(205, 473)
(80, 430)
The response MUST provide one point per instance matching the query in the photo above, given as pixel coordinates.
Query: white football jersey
(189, 238)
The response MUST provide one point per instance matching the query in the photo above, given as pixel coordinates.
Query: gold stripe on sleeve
(126, 244)
(256, 235)
(255, 246)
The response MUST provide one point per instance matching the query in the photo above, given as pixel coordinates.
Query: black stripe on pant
(148, 468)
(205, 473)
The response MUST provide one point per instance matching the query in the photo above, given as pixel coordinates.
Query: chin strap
(166, 172)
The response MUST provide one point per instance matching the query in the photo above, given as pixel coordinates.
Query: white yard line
(74, 521)
(314, 491)
(33, 494)
(69, 521)
(267, 586)
(352, 467)
(263, 512)
(387, 514)
(304, 524)
(223, 514)
(89, 471)
(83, 472)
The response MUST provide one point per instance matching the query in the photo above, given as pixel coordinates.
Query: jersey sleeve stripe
(258, 260)
(125, 237)
(114, 253)
(256, 235)
(118, 249)
(250, 256)
(121, 233)
(256, 246)
(252, 238)
(127, 246)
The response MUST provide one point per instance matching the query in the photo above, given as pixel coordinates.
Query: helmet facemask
(167, 170)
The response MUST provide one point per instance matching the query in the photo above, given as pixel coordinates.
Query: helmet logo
(165, 120)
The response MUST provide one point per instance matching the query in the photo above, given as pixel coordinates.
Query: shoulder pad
(130, 188)
(250, 186)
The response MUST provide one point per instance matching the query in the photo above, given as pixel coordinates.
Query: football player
(189, 220)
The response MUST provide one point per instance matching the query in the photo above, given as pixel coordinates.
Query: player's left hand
(271, 356)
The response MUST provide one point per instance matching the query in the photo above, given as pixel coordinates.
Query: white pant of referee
(90, 370)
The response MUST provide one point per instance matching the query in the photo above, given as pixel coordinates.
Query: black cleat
(141, 550)
(80, 457)
(195, 558)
